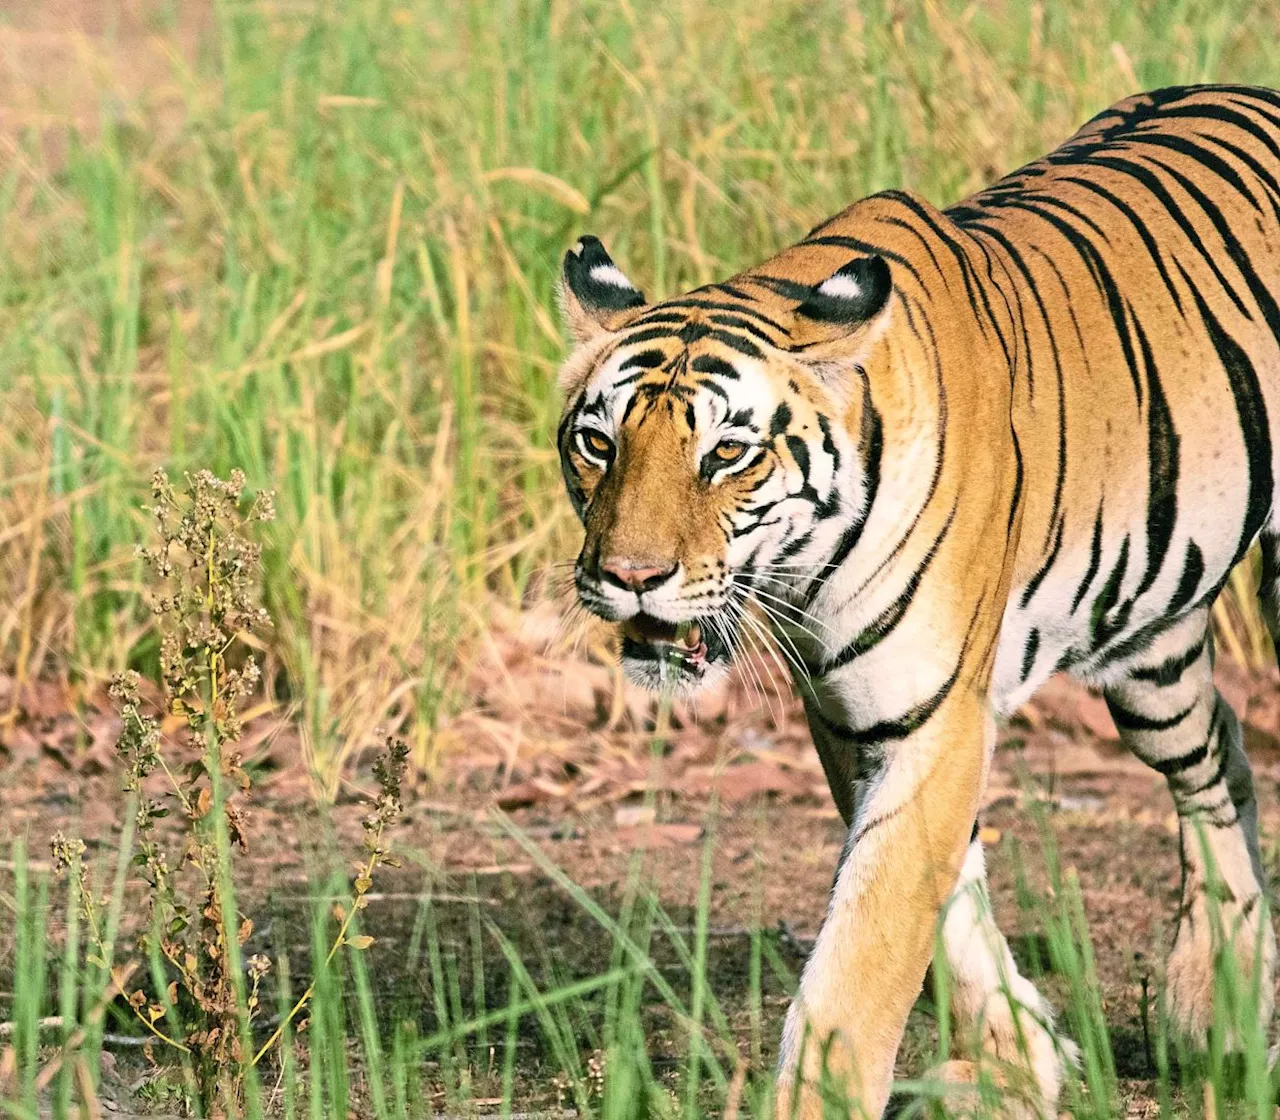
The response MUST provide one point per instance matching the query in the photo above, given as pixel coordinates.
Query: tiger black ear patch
(595, 281)
(853, 294)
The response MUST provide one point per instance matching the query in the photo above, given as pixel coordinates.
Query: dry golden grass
(318, 242)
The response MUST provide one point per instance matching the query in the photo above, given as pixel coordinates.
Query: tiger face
(716, 453)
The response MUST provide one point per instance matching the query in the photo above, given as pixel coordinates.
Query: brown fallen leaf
(536, 791)
(736, 784)
(740, 783)
(1091, 710)
(650, 836)
(632, 816)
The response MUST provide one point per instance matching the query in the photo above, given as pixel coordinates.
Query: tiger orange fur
(950, 453)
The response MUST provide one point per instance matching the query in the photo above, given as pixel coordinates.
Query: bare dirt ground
(569, 757)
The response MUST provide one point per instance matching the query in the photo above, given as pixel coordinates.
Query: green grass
(334, 268)
(636, 1022)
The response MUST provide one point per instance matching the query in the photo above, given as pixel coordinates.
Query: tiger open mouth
(667, 653)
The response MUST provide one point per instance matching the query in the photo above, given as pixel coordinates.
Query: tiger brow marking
(716, 305)
(722, 319)
(709, 363)
(646, 359)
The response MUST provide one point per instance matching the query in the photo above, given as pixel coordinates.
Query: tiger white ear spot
(852, 295)
(610, 274)
(840, 286)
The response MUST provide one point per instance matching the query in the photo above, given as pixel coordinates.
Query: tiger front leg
(902, 859)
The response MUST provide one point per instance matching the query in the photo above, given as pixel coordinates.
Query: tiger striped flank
(943, 455)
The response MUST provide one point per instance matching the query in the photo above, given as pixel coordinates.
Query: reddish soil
(581, 777)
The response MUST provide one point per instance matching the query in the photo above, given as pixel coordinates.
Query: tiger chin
(935, 456)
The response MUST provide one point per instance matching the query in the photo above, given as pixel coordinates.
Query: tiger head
(718, 447)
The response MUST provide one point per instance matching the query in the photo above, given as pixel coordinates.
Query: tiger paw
(1191, 973)
(1020, 1058)
(968, 1089)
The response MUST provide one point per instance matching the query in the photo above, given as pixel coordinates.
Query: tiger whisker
(766, 695)
(748, 673)
(789, 651)
(771, 642)
(769, 650)
(796, 667)
(779, 624)
(756, 592)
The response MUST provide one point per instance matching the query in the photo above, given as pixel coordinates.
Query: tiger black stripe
(1103, 623)
(890, 730)
(1139, 225)
(1095, 562)
(1055, 404)
(1149, 179)
(1231, 242)
(967, 272)
(888, 619)
(1136, 721)
(1171, 669)
(1029, 653)
(1246, 394)
(1019, 262)
(1162, 455)
(1189, 582)
(872, 446)
(1096, 262)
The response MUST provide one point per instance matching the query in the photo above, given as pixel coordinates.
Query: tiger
(949, 454)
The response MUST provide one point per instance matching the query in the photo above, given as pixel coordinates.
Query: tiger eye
(730, 451)
(597, 443)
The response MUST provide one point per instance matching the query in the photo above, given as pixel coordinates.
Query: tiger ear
(847, 300)
(594, 293)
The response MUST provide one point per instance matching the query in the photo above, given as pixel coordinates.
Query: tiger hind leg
(1172, 717)
(1002, 1023)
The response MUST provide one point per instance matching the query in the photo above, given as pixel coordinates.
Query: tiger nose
(636, 575)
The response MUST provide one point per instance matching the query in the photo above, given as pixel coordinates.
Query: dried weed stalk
(205, 570)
